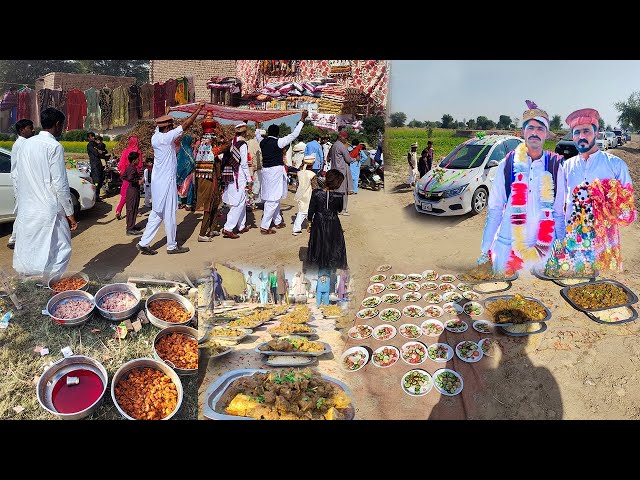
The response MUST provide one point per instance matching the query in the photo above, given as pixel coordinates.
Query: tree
(415, 124)
(118, 68)
(447, 121)
(284, 130)
(471, 124)
(438, 124)
(601, 123)
(26, 71)
(373, 128)
(429, 124)
(609, 128)
(309, 131)
(629, 111)
(397, 119)
(460, 125)
(556, 123)
(482, 123)
(503, 122)
(516, 121)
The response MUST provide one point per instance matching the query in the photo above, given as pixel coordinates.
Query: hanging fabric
(158, 100)
(170, 92)
(135, 104)
(93, 121)
(76, 109)
(146, 94)
(120, 97)
(191, 89)
(106, 108)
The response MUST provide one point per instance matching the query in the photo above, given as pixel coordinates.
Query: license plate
(427, 207)
(566, 151)
(376, 178)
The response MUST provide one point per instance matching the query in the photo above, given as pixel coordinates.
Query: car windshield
(610, 134)
(601, 136)
(466, 156)
(568, 136)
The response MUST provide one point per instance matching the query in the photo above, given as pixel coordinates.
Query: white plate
(410, 344)
(378, 350)
(437, 311)
(443, 392)
(432, 297)
(464, 287)
(398, 277)
(446, 287)
(372, 297)
(430, 275)
(441, 360)
(477, 323)
(465, 359)
(412, 296)
(411, 286)
(447, 278)
(424, 389)
(375, 288)
(468, 305)
(406, 313)
(471, 295)
(386, 296)
(351, 351)
(415, 277)
(383, 268)
(485, 340)
(378, 278)
(380, 327)
(432, 322)
(394, 286)
(429, 286)
(452, 306)
(353, 331)
(367, 313)
(399, 314)
(417, 328)
(452, 297)
(464, 329)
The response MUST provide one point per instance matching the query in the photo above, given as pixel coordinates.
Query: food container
(542, 329)
(169, 296)
(631, 313)
(214, 409)
(245, 333)
(189, 332)
(142, 363)
(484, 286)
(61, 276)
(118, 287)
(313, 332)
(631, 297)
(487, 301)
(57, 371)
(282, 361)
(564, 281)
(327, 349)
(62, 297)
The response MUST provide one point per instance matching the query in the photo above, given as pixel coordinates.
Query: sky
(427, 89)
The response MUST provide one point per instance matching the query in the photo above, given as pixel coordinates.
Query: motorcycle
(371, 177)
(112, 180)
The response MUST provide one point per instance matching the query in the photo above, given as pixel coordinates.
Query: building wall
(201, 70)
(70, 81)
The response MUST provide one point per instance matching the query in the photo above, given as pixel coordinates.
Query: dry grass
(28, 328)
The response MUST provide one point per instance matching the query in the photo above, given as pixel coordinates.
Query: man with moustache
(525, 207)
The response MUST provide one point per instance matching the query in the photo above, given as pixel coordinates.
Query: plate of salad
(432, 328)
(440, 352)
(371, 301)
(413, 353)
(429, 286)
(471, 295)
(412, 297)
(432, 297)
(385, 356)
(448, 382)
(446, 287)
(416, 382)
(464, 287)
(354, 358)
(409, 330)
(367, 313)
(430, 275)
(383, 268)
(451, 296)
(448, 278)
(384, 332)
(378, 278)
(468, 351)
(398, 277)
(391, 298)
(395, 286)
(456, 325)
(490, 347)
(412, 286)
(473, 309)
(390, 315)
(483, 326)
(360, 332)
(433, 311)
(413, 311)
(452, 308)
(415, 277)
(375, 288)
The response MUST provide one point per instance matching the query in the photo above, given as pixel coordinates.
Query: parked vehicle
(370, 177)
(83, 191)
(620, 135)
(602, 141)
(566, 147)
(464, 185)
(627, 135)
(613, 140)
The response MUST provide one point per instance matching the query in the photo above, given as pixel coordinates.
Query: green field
(69, 147)
(399, 142)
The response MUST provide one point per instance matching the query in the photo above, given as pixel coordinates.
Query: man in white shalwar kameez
(24, 129)
(164, 187)
(45, 212)
(274, 176)
(237, 175)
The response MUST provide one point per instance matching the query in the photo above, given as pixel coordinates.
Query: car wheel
(479, 201)
(76, 206)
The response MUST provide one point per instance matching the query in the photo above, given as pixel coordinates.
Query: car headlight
(452, 192)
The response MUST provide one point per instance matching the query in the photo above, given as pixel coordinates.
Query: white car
(466, 177)
(83, 191)
(613, 140)
(602, 141)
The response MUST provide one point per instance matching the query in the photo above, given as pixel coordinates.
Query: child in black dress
(132, 201)
(327, 248)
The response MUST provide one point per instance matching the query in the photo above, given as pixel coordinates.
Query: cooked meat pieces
(598, 295)
(516, 309)
(179, 349)
(169, 311)
(298, 344)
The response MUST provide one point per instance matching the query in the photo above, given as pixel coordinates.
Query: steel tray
(304, 334)
(216, 390)
(539, 274)
(631, 318)
(496, 280)
(525, 334)
(239, 338)
(310, 361)
(631, 297)
(327, 349)
(509, 324)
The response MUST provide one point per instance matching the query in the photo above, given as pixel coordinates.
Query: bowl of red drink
(73, 387)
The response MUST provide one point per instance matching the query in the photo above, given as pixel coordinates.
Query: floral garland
(520, 253)
(438, 174)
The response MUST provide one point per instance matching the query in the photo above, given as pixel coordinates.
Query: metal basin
(169, 296)
(61, 297)
(183, 329)
(142, 363)
(82, 275)
(118, 287)
(48, 380)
